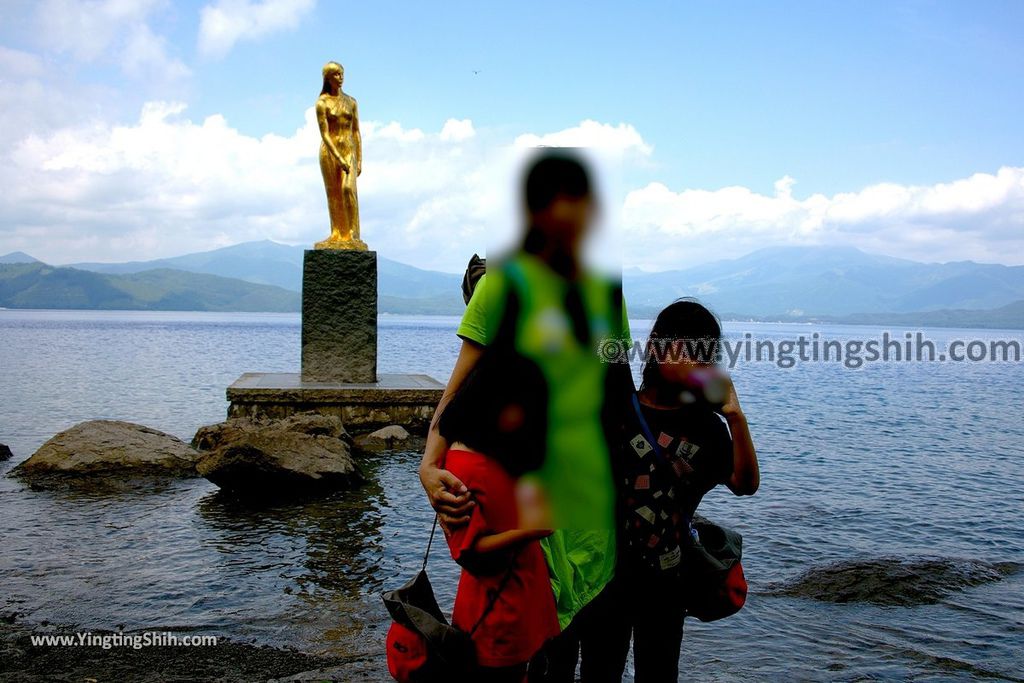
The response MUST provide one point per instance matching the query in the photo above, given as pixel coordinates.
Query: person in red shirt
(504, 597)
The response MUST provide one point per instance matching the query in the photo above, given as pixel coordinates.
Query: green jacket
(576, 474)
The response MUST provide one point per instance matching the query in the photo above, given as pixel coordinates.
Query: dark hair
(500, 410)
(688, 321)
(554, 172)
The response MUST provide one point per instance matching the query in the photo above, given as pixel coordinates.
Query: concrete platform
(407, 400)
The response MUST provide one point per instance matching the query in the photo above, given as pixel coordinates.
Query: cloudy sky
(149, 128)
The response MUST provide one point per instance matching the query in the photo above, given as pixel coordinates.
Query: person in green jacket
(562, 319)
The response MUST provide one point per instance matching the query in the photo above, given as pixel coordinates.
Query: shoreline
(942, 319)
(228, 661)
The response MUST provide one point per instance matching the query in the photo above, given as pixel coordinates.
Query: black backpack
(474, 271)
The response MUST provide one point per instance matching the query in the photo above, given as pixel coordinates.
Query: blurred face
(678, 371)
(566, 219)
(679, 359)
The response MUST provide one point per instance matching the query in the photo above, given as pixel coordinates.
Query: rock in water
(5, 452)
(99, 447)
(390, 438)
(903, 581)
(300, 454)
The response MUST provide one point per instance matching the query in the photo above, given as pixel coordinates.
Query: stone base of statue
(339, 316)
(339, 357)
(407, 400)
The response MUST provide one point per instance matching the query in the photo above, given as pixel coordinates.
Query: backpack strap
(646, 431)
(501, 586)
(506, 334)
(430, 542)
(616, 312)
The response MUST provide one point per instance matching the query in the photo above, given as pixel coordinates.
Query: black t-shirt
(657, 492)
(696, 441)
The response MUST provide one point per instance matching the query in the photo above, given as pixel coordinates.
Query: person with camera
(686, 435)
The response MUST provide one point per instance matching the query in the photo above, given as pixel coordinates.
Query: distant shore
(1012, 318)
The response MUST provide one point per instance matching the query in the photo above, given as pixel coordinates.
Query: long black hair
(689, 325)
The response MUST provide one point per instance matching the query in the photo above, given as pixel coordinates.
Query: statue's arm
(357, 137)
(325, 133)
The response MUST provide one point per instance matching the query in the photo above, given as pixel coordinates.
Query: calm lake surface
(886, 542)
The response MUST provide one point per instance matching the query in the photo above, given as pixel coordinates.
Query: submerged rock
(102, 447)
(894, 581)
(390, 438)
(300, 454)
(5, 452)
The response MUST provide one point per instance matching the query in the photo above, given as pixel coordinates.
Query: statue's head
(333, 72)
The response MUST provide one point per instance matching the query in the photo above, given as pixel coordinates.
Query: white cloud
(87, 29)
(390, 131)
(117, 30)
(145, 53)
(18, 65)
(226, 22)
(623, 138)
(166, 184)
(163, 185)
(457, 130)
(972, 218)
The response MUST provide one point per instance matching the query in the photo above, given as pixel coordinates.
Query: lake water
(886, 541)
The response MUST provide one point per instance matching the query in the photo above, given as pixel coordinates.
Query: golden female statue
(341, 159)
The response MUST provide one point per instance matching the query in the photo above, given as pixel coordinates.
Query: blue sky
(893, 127)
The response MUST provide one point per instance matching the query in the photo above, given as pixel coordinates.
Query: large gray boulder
(305, 453)
(101, 447)
(390, 438)
(5, 452)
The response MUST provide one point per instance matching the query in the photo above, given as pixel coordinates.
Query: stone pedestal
(339, 357)
(407, 400)
(339, 316)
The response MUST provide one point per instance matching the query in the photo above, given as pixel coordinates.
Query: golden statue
(341, 159)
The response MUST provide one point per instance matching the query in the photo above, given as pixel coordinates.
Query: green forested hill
(37, 285)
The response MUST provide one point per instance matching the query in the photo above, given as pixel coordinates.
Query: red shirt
(524, 616)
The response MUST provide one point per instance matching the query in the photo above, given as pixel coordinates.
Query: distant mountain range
(832, 281)
(827, 284)
(1008, 317)
(17, 257)
(270, 263)
(263, 276)
(37, 285)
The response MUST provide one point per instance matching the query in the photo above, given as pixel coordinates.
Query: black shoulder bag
(422, 647)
